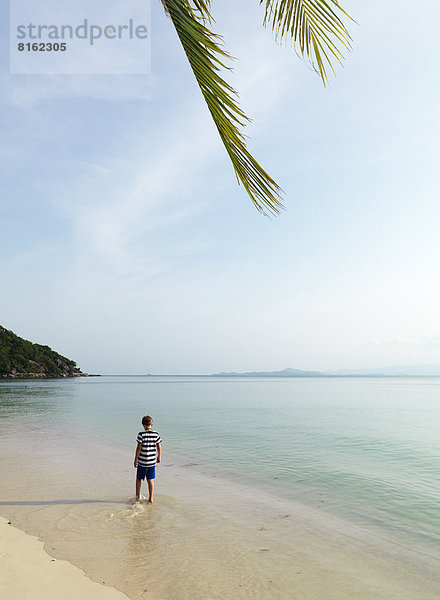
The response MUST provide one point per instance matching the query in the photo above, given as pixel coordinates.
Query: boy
(148, 452)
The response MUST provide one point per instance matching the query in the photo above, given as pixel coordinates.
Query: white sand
(27, 572)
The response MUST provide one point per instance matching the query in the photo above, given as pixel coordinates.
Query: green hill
(21, 358)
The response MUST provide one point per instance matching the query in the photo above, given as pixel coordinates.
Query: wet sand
(29, 573)
(204, 538)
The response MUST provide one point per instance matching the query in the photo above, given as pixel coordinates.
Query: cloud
(118, 207)
(164, 179)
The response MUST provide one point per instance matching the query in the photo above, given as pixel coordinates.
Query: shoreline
(28, 572)
(291, 556)
(208, 535)
(268, 548)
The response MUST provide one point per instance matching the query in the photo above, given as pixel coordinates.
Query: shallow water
(269, 488)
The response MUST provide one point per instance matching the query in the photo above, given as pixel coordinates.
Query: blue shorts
(148, 472)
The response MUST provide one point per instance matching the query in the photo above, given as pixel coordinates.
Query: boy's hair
(147, 420)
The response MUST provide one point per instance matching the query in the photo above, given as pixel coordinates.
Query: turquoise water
(365, 450)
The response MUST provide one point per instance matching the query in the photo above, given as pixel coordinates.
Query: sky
(127, 244)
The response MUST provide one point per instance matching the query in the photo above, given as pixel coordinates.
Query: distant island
(283, 373)
(20, 358)
(394, 371)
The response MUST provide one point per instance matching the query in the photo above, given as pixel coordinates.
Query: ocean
(269, 487)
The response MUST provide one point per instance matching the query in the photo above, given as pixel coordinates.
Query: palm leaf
(316, 26)
(203, 8)
(199, 8)
(207, 58)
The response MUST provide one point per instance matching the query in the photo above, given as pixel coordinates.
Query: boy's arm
(136, 456)
(159, 452)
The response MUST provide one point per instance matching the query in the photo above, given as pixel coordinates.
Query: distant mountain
(283, 373)
(394, 371)
(20, 358)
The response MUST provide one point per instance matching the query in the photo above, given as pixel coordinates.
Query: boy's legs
(150, 489)
(138, 488)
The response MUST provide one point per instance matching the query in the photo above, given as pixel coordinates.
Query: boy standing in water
(148, 452)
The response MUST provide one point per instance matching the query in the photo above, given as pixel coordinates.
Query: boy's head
(147, 422)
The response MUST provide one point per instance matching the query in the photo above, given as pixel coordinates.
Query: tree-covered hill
(21, 358)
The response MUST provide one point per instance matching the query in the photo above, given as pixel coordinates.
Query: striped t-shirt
(148, 453)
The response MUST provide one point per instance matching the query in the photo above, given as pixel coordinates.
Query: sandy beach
(27, 572)
(176, 552)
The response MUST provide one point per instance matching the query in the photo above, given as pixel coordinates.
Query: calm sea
(365, 451)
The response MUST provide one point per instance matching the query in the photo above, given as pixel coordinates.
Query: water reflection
(35, 398)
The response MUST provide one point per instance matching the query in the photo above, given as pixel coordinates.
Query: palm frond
(207, 59)
(199, 8)
(203, 7)
(316, 26)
